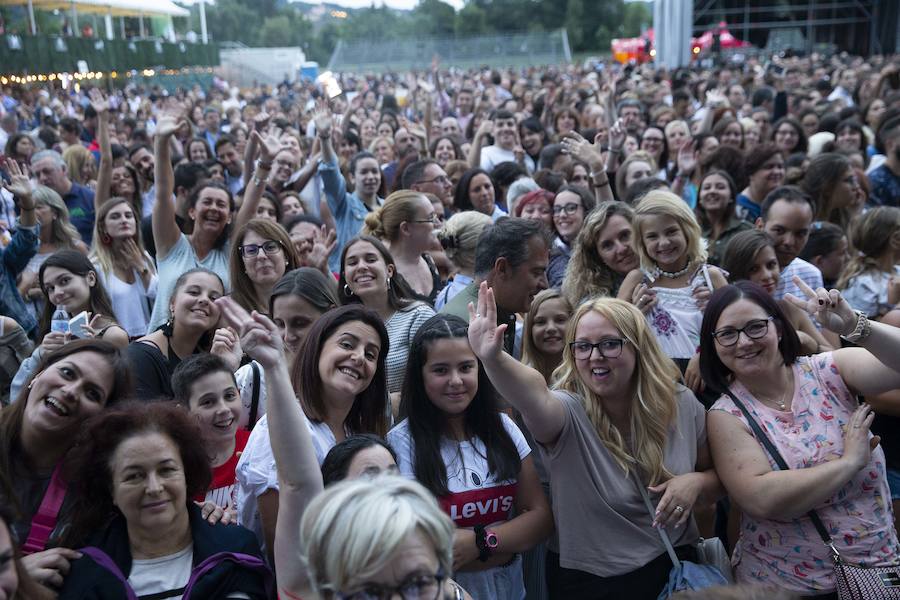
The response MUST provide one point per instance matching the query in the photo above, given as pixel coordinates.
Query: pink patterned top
(790, 554)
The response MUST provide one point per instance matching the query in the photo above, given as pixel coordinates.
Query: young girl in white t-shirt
(472, 457)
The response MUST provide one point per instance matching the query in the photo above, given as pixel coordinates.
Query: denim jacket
(24, 244)
(348, 210)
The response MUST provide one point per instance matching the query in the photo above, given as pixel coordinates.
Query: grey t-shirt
(601, 520)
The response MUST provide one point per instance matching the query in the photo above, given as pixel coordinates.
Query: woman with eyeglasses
(261, 254)
(406, 223)
(571, 206)
(807, 408)
(616, 421)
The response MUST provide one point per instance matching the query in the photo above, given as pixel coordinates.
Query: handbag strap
(254, 399)
(662, 532)
(782, 465)
(44, 521)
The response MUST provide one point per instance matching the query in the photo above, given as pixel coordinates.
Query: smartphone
(77, 323)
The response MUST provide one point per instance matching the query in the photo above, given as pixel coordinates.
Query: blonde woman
(544, 335)
(603, 254)
(57, 233)
(615, 420)
(80, 165)
(406, 223)
(459, 238)
(125, 269)
(639, 165)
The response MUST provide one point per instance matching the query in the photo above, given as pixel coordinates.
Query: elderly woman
(139, 467)
(616, 421)
(71, 385)
(807, 408)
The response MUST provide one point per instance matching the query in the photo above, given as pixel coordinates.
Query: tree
(471, 20)
(277, 31)
(575, 24)
(433, 17)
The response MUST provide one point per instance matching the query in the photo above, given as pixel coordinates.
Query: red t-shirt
(221, 489)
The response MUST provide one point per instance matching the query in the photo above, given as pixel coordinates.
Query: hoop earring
(347, 290)
(106, 239)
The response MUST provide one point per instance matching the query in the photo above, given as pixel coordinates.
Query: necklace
(674, 274)
(780, 402)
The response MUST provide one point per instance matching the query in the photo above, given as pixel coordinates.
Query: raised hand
(227, 346)
(260, 121)
(617, 134)
(99, 101)
(828, 307)
(583, 150)
(19, 185)
(322, 248)
(270, 145)
(715, 99)
(259, 335)
(485, 336)
(687, 158)
(486, 128)
(324, 121)
(168, 124)
(858, 445)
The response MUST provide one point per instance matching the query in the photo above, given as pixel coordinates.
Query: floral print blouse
(789, 553)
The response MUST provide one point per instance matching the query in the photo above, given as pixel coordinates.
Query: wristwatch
(487, 541)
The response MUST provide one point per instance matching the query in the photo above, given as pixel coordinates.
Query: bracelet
(600, 185)
(257, 180)
(614, 151)
(861, 331)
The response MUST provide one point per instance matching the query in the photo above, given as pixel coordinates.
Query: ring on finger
(679, 509)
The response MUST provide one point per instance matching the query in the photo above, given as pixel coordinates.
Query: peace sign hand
(485, 336)
(259, 336)
(828, 307)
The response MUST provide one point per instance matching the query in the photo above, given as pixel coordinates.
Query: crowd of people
(489, 334)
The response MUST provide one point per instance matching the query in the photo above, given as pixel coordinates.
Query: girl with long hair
(616, 420)
(456, 442)
(191, 322)
(674, 280)
(57, 233)
(871, 280)
(543, 336)
(571, 206)
(476, 191)
(70, 385)
(126, 270)
(295, 304)
(338, 375)
(261, 253)
(832, 184)
(603, 254)
(715, 211)
(369, 276)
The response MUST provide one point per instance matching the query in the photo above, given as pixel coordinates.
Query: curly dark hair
(88, 466)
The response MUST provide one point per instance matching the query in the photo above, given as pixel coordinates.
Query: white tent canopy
(108, 8)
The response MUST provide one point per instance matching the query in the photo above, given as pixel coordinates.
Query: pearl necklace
(674, 274)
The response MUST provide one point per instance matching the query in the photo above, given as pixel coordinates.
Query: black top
(152, 371)
(435, 282)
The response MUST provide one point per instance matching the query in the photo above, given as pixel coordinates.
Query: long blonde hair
(663, 203)
(587, 274)
(870, 236)
(531, 356)
(654, 382)
(62, 232)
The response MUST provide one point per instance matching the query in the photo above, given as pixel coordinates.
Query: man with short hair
(885, 179)
(450, 126)
(234, 166)
(69, 132)
(464, 104)
(506, 137)
(428, 177)
(787, 215)
(212, 119)
(49, 169)
(512, 257)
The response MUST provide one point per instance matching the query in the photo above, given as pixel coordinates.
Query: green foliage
(591, 24)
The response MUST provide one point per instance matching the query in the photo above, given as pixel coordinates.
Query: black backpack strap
(779, 460)
(254, 401)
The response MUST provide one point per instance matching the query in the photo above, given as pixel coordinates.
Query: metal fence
(517, 49)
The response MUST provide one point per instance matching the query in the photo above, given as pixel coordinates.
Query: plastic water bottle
(60, 321)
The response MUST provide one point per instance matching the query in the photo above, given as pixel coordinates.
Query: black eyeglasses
(755, 329)
(608, 348)
(421, 587)
(270, 247)
(655, 140)
(570, 209)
